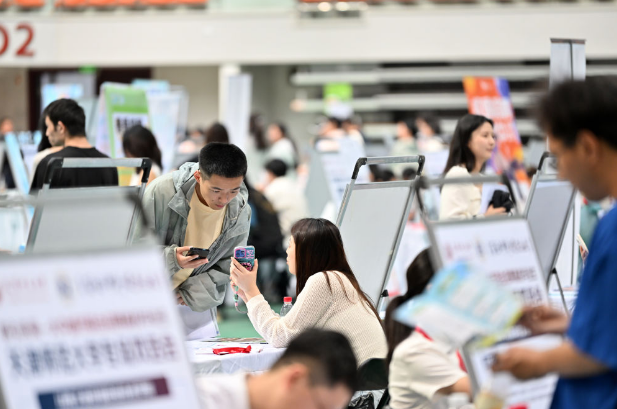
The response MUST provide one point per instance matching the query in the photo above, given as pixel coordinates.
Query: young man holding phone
(580, 118)
(201, 205)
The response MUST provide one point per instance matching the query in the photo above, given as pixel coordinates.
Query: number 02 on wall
(6, 36)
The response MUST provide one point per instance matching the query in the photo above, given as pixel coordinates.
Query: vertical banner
(491, 97)
(120, 107)
(124, 107)
(165, 107)
(238, 108)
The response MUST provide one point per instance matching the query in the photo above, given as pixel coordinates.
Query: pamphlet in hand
(460, 304)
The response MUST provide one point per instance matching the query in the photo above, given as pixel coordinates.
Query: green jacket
(166, 207)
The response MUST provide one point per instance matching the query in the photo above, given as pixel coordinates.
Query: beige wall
(201, 83)
(14, 96)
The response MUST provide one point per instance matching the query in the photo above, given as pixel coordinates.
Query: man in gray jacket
(201, 205)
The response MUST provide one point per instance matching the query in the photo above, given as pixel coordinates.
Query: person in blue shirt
(580, 118)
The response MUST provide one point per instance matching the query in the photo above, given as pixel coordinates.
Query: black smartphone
(202, 253)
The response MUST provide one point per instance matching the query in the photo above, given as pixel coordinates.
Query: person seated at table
(328, 293)
(471, 147)
(422, 370)
(317, 370)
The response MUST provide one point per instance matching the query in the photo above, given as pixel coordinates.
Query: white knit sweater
(338, 310)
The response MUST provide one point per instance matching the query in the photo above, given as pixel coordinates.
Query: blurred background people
(217, 133)
(430, 138)
(286, 198)
(405, 144)
(139, 142)
(282, 147)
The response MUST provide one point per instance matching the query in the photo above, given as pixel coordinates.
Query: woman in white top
(472, 146)
(139, 142)
(282, 146)
(422, 371)
(328, 294)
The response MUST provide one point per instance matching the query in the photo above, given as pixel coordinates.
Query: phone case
(246, 256)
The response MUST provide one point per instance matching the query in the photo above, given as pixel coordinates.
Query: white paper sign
(534, 393)
(95, 330)
(503, 248)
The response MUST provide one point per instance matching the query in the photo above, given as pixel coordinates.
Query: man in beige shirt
(201, 205)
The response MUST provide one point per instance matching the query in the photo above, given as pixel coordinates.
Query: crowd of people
(333, 328)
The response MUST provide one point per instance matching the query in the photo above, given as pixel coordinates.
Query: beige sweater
(318, 306)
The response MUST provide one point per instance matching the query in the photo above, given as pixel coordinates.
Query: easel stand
(563, 298)
(364, 234)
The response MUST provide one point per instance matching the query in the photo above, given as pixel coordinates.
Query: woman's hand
(240, 293)
(491, 211)
(244, 279)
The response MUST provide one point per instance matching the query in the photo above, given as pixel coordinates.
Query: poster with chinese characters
(97, 330)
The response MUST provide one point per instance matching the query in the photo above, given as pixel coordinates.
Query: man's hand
(188, 261)
(544, 320)
(521, 362)
(179, 299)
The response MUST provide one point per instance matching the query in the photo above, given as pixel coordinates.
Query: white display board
(501, 247)
(547, 211)
(16, 162)
(14, 225)
(370, 229)
(331, 168)
(96, 330)
(435, 162)
(533, 393)
(338, 158)
(82, 219)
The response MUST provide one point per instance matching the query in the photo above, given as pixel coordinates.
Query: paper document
(461, 303)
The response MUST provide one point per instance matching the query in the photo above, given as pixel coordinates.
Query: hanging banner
(490, 97)
(91, 331)
(123, 107)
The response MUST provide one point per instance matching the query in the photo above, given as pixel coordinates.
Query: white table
(205, 362)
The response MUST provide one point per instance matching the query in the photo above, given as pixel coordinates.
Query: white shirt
(459, 201)
(223, 391)
(339, 309)
(155, 172)
(283, 149)
(420, 368)
(288, 201)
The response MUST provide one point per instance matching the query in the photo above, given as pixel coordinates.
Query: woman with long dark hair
(472, 146)
(420, 370)
(328, 293)
(139, 142)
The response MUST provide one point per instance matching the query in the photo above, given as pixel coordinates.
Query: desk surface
(204, 361)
